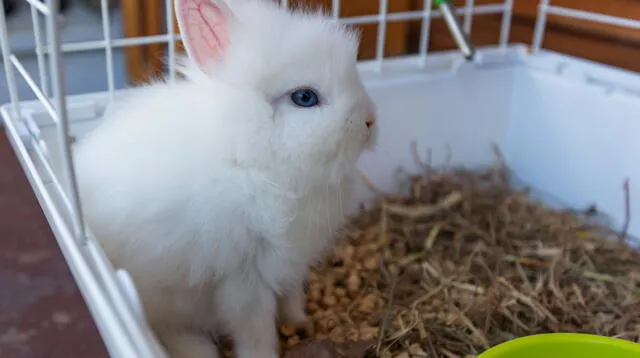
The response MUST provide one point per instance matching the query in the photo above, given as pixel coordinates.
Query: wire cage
(566, 125)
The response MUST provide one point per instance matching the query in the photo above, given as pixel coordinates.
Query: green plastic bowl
(564, 345)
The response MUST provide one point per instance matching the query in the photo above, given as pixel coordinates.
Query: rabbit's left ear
(204, 26)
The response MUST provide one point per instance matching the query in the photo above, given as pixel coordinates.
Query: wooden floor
(42, 314)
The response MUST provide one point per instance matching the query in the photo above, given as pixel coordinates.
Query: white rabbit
(218, 192)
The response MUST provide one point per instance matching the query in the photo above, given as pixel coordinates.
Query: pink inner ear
(205, 30)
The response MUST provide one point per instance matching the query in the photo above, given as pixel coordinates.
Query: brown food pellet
(338, 334)
(312, 307)
(327, 324)
(372, 263)
(328, 286)
(329, 301)
(315, 292)
(368, 333)
(368, 303)
(417, 351)
(293, 341)
(353, 283)
(288, 330)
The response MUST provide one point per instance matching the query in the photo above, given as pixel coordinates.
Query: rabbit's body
(232, 210)
(217, 193)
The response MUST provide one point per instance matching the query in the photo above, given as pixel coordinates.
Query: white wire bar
(505, 26)
(544, 9)
(44, 160)
(37, 34)
(122, 42)
(417, 15)
(382, 32)
(335, 9)
(425, 31)
(46, 102)
(8, 69)
(594, 17)
(59, 91)
(541, 22)
(468, 16)
(171, 56)
(108, 49)
(40, 6)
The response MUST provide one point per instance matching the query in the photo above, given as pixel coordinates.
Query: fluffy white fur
(216, 193)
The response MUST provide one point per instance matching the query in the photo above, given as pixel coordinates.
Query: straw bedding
(461, 263)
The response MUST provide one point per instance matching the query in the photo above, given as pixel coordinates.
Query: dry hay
(463, 263)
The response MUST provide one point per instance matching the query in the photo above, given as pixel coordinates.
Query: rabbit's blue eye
(305, 98)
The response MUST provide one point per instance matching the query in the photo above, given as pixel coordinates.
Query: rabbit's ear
(204, 26)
